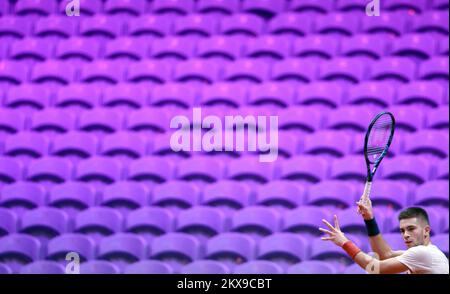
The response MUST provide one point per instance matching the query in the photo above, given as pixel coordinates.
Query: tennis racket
(376, 144)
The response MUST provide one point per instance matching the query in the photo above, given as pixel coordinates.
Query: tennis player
(421, 257)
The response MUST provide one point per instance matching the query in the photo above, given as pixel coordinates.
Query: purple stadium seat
(11, 170)
(26, 144)
(324, 142)
(100, 120)
(321, 250)
(364, 45)
(407, 168)
(224, 94)
(39, 7)
(177, 94)
(9, 222)
(102, 169)
(161, 147)
(423, 92)
(124, 146)
(295, 70)
(49, 169)
(440, 4)
(255, 71)
(291, 24)
(17, 27)
(22, 194)
(231, 249)
(218, 6)
(154, 169)
(304, 6)
(146, 267)
(149, 25)
(350, 5)
(125, 96)
(52, 121)
(408, 118)
(44, 223)
(122, 249)
(256, 221)
(394, 69)
(417, 46)
(196, 25)
(150, 222)
(126, 48)
(87, 7)
(435, 69)
(201, 222)
(226, 194)
(76, 145)
(283, 248)
(75, 96)
(72, 197)
(430, 142)
(258, 267)
(43, 267)
(4, 269)
(242, 24)
(125, 196)
(155, 71)
(372, 93)
(223, 47)
(203, 71)
(308, 168)
(19, 249)
(332, 192)
(320, 46)
(312, 267)
(432, 193)
(59, 72)
(99, 267)
(444, 46)
(263, 8)
(176, 194)
(345, 69)
(269, 47)
(98, 222)
(34, 49)
(111, 72)
(28, 96)
(441, 241)
(205, 267)
(349, 168)
(176, 48)
(345, 24)
(126, 7)
(438, 118)
(249, 168)
(280, 193)
(101, 26)
(13, 72)
(201, 168)
(11, 121)
(389, 193)
(4, 8)
(327, 94)
(350, 118)
(56, 26)
(78, 49)
(396, 5)
(300, 118)
(442, 169)
(180, 7)
(272, 93)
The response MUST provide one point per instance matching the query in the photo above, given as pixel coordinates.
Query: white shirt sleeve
(417, 259)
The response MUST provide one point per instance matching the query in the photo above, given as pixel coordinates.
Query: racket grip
(367, 189)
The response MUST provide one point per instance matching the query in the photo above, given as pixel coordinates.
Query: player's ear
(428, 230)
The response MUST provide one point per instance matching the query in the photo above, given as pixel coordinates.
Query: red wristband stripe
(351, 249)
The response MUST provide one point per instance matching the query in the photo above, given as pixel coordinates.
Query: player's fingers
(329, 225)
(336, 223)
(326, 231)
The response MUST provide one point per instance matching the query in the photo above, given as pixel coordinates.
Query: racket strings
(379, 136)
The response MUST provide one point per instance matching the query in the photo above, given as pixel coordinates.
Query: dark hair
(412, 212)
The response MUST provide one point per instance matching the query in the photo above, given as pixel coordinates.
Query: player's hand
(334, 233)
(365, 208)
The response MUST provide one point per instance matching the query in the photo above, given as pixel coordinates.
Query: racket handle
(367, 189)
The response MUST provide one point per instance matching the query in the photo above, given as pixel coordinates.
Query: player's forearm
(380, 247)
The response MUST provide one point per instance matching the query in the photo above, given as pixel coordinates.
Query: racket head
(378, 139)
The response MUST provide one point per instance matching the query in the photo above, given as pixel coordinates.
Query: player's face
(413, 232)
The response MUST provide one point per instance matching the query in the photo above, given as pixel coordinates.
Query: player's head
(414, 226)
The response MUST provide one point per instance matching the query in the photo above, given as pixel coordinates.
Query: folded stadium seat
(256, 221)
(17, 250)
(321, 95)
(438, 118)
(324, 143)
(394, 69)
(196, 25)
(125, 7)
(176, 249)
(339, 24)
(146, 267)
(123, 249)
(201, 169)
(354, 269)
(161, 147)
(303, 120)
(44, 223)
(3, 50)
(4, 8)
(405, 5)
(425, 93)
(177, 7)
(52, 121)
(102, 26)
(49, 171)
(432, 193)
(9, 222)
(205, 267)
(87, 7)
(103, 72)
(221, 48)
(347, 70)
(370, 47)
(150, 71)
(125, 196)
(31, 49)
(350, 167)
(270, 48)
(258, 267)
(125, 97)
(250, 169)
(406, 168)
(201, 222)
(101, 121)
(54, 72)
(150, 169)
(26, 145)
(441, 241)
(279, 94)
(22, 196)
(304, 6)
(354, 119)
(242, 24)
(99, 267)
(232, 95)
(180, 95)
(218, 7)
(283, 249)
(56, 27)
(320, 47)
(72, 197)
(227, 195)
(150, 222)
(249, 70)
(98, 222)
(37, 7)
(74, 146)
(5, 270)
(125, 146)
(77, 97)
(305, 169)
(28, 98)
(440, 4)
(176, 195)
(150, 25)
(282, 194)
(408, 118)
(442, 169)
(350, 5)
(11, 121)
(199, 71)
(435, 68)
(127, 49)
(373, 94)
(431, 22)
(265, 9)
(173, 48)
(77, 48)
(16, 27)
(295, 70)
(389, 194)
(13, 72)
(43, 267)
(334, 193)
(313, 267)
(99, 171)
(291, 24)
(444, 46)
(231, 249)
(415, 46)
(432, 144)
